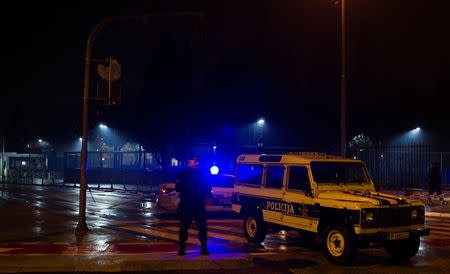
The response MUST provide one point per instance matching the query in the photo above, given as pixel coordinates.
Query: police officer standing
(193, 188)
(435, 184)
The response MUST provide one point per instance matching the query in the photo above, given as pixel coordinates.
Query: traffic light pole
(82, 225)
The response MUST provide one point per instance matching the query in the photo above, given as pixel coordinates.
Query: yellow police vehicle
(327, 195)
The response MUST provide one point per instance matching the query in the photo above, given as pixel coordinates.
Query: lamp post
(343, 81)
(82, 226)
(257, 134)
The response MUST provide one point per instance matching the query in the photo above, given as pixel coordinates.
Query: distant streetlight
(40, 141)
(257, 133)
(80, 139)
(417, 129)
(214, 170)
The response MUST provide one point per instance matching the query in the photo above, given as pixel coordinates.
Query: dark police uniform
(193, 188)
(435, 180)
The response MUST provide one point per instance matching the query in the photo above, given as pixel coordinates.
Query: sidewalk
(436, 210)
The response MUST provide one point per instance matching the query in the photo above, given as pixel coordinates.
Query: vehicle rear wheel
(403, 249)
(338, 245)
(255, 229)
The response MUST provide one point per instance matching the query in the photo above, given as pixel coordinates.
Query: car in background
(221, 190)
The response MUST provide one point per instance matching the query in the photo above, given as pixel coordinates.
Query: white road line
(215, 235)
(437, 232)
(232, 229)
(437, 237)
(436, 218)
(438, 226)
(160, 234)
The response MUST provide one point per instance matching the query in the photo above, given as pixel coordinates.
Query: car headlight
(369, 217)
(414, 214)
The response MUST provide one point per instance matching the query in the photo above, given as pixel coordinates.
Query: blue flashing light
(214, 170)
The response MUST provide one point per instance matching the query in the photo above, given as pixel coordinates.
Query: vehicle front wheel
(255, 228)
(338, 245)
(403, 249)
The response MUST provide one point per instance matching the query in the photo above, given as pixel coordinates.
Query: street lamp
(257, 134)
(214, 170)
(82, 226)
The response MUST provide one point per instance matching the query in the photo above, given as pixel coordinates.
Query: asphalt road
(128, 232)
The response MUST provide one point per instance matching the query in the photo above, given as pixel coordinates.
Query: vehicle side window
(298, 178)
(274, 176)
(250, 174)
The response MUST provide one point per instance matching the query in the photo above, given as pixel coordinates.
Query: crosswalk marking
(230, 230)
(438, 232)
(219, 230)
(438, 237)
(439, 228)
(215, 235)
(161, 234)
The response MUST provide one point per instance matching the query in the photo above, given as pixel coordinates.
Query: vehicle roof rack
(315, 155)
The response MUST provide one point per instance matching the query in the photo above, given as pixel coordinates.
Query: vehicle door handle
(316, 207)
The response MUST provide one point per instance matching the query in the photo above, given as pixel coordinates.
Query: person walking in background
(194, 189)
(435, 184)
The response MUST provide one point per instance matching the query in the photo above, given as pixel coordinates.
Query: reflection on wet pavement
(121, 224)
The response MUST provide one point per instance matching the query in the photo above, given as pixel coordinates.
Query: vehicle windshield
(221, 181)
(339, 172)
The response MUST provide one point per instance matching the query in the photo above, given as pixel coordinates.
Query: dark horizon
(279, 61)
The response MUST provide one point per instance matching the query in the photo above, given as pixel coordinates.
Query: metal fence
(112, 160)
(124, 182)
(403, 166)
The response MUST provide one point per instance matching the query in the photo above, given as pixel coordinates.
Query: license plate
(398, 235)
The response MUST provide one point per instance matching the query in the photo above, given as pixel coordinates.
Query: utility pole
(82, 226)
(343, 81)
(3, 158)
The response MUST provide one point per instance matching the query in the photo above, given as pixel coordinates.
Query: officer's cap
(193, 157)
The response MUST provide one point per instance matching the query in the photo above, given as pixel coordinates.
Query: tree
(360, 140)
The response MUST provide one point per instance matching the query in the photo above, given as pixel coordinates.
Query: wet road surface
(129, 229)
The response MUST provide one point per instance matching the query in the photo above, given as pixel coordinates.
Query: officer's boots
(182, 249)
(204, 249)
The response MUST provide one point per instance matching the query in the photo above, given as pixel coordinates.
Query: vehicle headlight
(369, 217)
(414, 214)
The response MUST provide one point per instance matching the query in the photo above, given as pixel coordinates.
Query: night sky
(186, 79)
